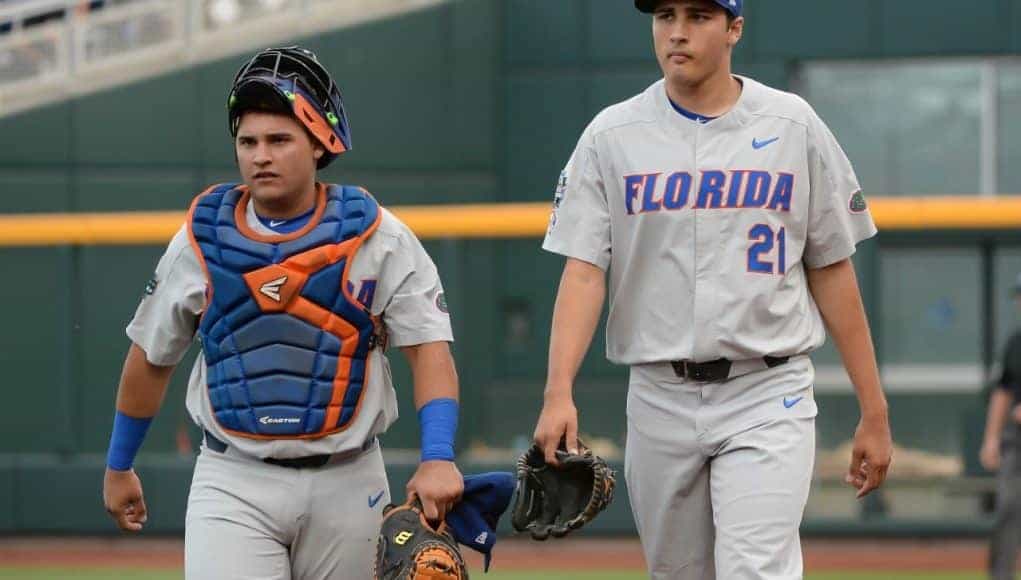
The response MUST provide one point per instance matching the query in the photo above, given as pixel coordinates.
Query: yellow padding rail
(509, 220)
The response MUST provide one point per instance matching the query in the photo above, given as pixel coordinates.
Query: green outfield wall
(474, 101)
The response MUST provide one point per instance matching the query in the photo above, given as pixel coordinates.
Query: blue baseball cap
(474, 519)
(732, 6)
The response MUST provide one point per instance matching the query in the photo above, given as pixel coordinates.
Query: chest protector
(285, 342)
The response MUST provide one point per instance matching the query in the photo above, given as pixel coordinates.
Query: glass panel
(221, 13)
(117, 32)
(1009, 123)
(34, 55)
(931, 306)
(908, 128)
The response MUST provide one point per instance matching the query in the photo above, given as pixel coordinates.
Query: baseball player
(294, 288)
(1000, 453)
(725, 214)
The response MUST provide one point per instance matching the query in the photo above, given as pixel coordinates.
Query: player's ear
(318, 151)
(735, 31)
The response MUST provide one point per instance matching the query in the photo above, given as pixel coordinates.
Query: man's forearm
(433, 371)
(575, 316)
(835, 290)
(436, 390)
(139, 397)
(999, 402)
(142, 385)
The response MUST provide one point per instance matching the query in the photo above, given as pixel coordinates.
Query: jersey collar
(737, 116)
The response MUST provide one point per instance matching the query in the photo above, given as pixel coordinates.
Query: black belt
(307, 462)
(718, 370)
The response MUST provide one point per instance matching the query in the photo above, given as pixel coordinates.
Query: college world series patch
(857, 203)
(558, 196)
(558, 193)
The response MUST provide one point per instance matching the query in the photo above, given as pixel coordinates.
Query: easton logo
(272, 288)
(278, 420)
(481, 538)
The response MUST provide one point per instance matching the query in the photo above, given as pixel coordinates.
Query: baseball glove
(551, 500)
(409, 548)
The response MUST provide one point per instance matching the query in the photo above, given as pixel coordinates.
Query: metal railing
(54, 49)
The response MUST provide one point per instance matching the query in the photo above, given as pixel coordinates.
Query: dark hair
(270, 103)
(265, 106)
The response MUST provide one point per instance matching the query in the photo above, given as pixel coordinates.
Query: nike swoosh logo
(274, 224)
(374, 500)
(756, 144)
(791, 402)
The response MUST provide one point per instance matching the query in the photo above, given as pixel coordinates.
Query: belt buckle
(306, 462)
(680, 368)
(688, 370)
(697, 372)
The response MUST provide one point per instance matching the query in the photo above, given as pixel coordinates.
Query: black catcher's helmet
(291, 78)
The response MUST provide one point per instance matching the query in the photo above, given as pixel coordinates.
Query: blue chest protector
(285, 343)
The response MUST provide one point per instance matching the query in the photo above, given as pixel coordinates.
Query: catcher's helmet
(292, 79)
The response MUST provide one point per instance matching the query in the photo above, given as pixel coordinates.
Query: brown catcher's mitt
(409, 548)
(552, 500)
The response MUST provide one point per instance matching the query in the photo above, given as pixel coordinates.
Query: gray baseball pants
(249, 520)
(718, 473)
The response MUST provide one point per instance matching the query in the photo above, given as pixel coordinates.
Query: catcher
(295, 288)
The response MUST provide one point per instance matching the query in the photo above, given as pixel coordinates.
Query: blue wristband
(126, 439)
(438, 421)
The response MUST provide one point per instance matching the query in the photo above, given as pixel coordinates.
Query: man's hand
(438, 485)
(122, 497)
(559, 418)
(989, 456)
(870, 458)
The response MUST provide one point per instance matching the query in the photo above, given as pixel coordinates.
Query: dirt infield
(517, 554)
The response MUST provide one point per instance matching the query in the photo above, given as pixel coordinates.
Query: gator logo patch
(441, 303)
(857, 203)
(150, 286)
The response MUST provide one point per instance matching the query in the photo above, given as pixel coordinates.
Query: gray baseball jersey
(392, 271)
(707, 229)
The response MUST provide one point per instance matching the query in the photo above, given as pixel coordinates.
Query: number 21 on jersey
(760, 253)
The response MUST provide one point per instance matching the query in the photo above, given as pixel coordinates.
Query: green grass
(34, 573)
(640, 576)
(118, 574)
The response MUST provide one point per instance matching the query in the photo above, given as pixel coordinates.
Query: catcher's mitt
(409, 548)
(554, 500)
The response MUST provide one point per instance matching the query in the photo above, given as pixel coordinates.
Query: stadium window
(909, 127)
(1009, 126)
